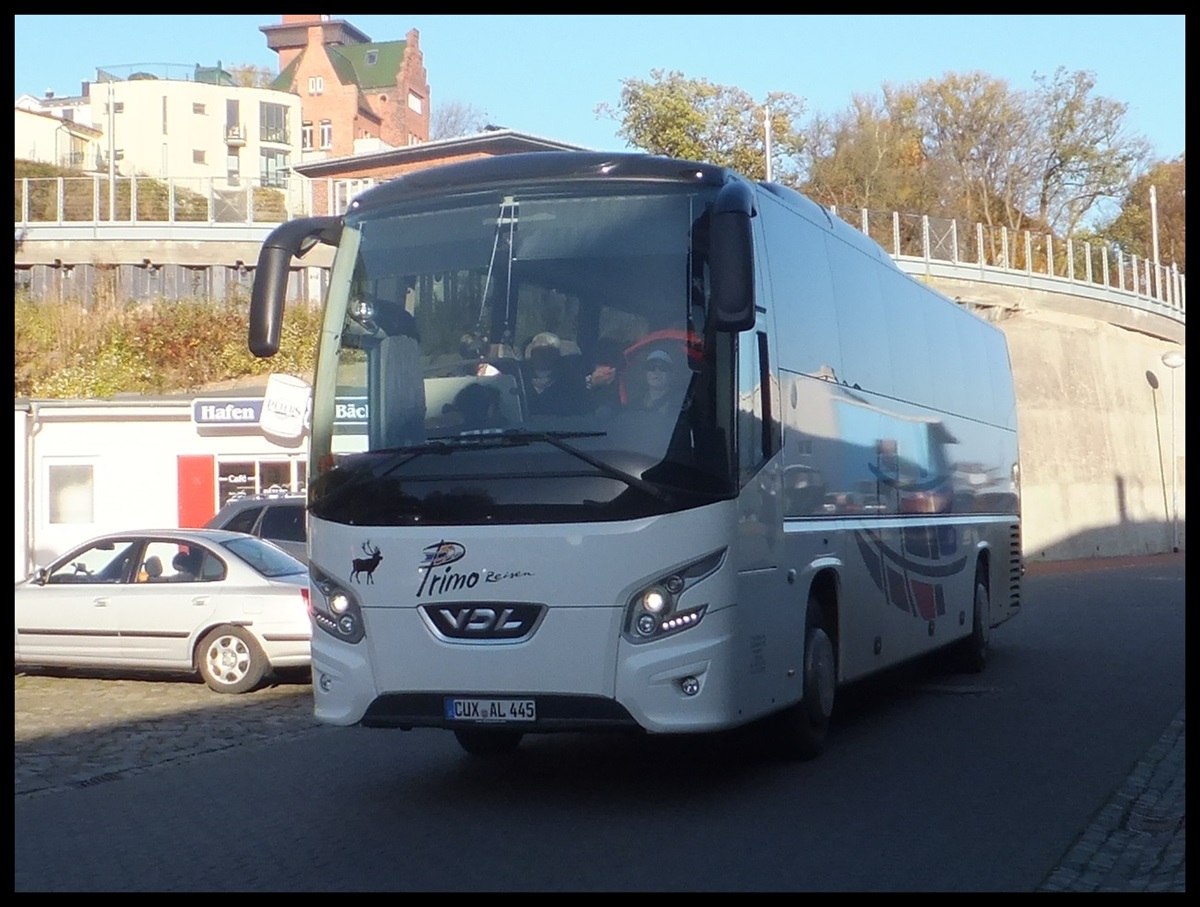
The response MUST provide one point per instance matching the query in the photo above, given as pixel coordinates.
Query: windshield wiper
(556, 439)
(397, 457)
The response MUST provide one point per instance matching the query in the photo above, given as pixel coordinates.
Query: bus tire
(800, 729)
(972, 653)
(479, 742)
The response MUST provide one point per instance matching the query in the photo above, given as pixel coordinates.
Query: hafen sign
(283, 411)
(217, 411)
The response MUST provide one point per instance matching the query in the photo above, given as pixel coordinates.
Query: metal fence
(954, 248)
(1000, 254)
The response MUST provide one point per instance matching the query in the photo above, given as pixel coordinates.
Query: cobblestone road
(72, 731)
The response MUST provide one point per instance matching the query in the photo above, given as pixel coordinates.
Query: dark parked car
(278, 518)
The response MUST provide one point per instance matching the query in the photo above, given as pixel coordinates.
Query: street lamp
(1172, 359)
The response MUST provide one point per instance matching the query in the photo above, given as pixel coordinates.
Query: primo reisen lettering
(449, 581)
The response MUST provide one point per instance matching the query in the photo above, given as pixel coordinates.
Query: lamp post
(1172, 359)
(1154, 240)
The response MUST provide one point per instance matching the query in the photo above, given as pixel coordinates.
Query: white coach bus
(613, 441)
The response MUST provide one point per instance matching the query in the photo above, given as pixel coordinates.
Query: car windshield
(264, 557)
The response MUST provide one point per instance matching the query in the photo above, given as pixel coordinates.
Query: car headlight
(657, 609)
(334, 608)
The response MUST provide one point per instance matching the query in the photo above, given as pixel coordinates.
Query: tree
(247, 75)
(456, 118)
(1132, 229)
(696, 120)
(974, 131)
(870, 156)
(1080, 153)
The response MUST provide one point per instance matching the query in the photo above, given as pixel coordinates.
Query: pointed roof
(371, 66)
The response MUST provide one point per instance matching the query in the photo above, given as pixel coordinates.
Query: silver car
(227, 605)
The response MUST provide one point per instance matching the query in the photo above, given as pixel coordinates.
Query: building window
(326, 134)
(306, 135)
(273, 168)
(372, 57)
(414, 102)
(242, 478)
(198, 108)
(273, 121)
(197, 156)
(316, 84)
(117, 107)
(72, 493)
(164, 108)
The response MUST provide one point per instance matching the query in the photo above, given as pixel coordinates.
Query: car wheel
(230, 661)
(480, 742)
(800, 730)
(972, 652)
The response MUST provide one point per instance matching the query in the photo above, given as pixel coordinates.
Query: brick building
(356, 94)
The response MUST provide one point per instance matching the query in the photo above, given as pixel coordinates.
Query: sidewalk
(1138, 840)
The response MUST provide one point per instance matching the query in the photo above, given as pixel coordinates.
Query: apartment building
(357, 95)
(184, 123)
(41, 136)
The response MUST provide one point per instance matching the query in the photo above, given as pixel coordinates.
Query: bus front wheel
(800, 730)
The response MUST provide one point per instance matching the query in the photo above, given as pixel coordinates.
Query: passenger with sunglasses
(659, 394)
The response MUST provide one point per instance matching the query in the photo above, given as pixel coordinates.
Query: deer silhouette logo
(366, 565)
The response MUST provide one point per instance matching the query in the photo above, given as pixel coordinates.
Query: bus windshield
(522, 356)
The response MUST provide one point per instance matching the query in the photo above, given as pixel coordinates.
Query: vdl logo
(492, 622)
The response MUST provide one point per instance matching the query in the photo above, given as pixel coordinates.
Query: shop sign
(227, 411)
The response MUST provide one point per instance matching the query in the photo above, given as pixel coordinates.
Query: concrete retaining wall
(1094, 404)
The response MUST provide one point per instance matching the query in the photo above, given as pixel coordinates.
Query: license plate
(491, 710)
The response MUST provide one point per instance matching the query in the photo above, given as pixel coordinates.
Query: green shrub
(67, 350)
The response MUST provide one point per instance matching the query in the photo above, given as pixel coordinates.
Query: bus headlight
(334, 608)
(655, 600)
(657, 609)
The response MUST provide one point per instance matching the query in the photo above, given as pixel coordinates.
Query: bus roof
(540, 166)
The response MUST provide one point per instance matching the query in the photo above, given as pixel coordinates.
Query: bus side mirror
(288, 240)
(731, 258)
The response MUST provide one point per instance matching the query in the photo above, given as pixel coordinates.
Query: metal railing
(94, 201)
(55, 208)
(944, 247)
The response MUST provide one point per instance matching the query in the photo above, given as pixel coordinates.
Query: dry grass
(105, 346)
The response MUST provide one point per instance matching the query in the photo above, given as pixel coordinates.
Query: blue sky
(545, 75)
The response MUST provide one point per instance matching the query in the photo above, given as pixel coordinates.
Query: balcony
(235, 136)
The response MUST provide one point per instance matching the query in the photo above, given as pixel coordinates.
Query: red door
(197, 490)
